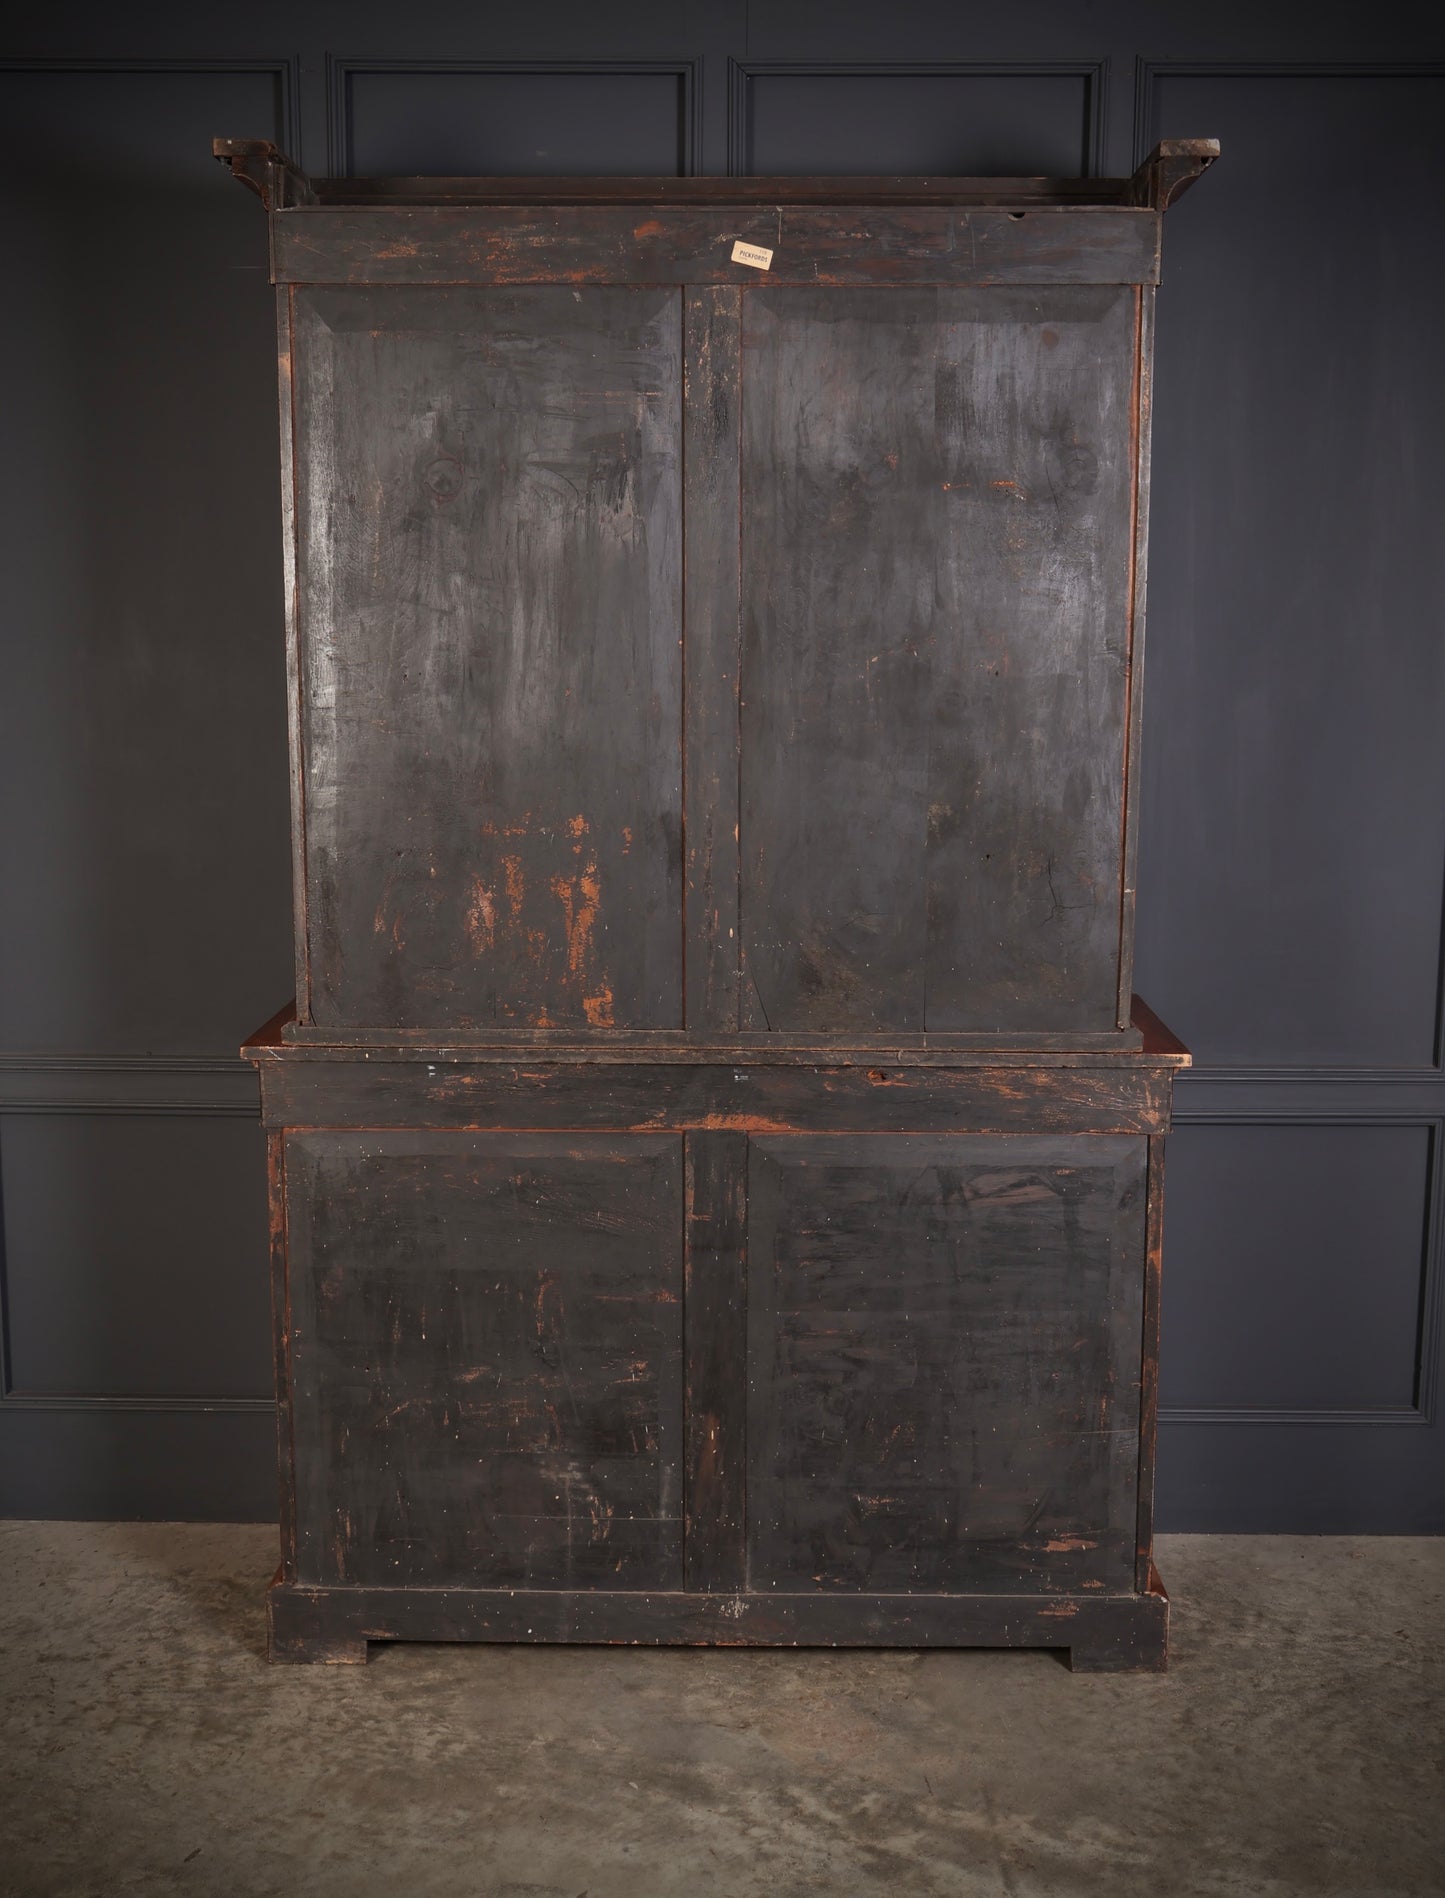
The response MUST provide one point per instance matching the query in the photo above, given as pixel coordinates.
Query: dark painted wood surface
(944, 1342)
(1102, 1633)
(485, 1358)
(741, 1363)
(663, 243)
(747, 1099)
(717, 1370)
(936, 562)
(1169, 170)
(489, 561)
(711, 508)
(694, 661)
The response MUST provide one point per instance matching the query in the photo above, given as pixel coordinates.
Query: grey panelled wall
(1292, 862)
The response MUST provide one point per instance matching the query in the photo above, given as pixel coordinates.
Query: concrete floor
(1295, 1747)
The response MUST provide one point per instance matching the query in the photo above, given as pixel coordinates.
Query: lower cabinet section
(716, 1385)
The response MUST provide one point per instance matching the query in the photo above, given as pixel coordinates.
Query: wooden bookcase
(716, 1156)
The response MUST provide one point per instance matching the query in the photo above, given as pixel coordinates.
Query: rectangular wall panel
(1292, 1275)
(1293, 813)
(134, 1255)
(919, 121)
(456, 119)
(142, 725)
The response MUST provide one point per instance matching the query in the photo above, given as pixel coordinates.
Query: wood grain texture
(717, 1367)
(1115, 1633)
(490, 586)
(295, 737)
(1149, 1363)
(486, 1354)
(648, 1097)
(281, 1349)
(944, 1346)
(936, 559)
(712, 411)
(716, 1182)
(666, 243)
(1141, 429)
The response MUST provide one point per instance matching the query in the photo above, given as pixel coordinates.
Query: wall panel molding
(127, 1084)
(45, 1083)
(1431, 1309)
(742, 73)
(1302, 1096)
(1148, 72)
(284, 68)
(1312, 1084)
(342, 68)
(97, 1400)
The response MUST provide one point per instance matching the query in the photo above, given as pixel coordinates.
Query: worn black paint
(489, 602)
(944, 1351)
(936, 559)
(705, 1345)
(484, 1345)
(727, 1360)
(1101, 1633)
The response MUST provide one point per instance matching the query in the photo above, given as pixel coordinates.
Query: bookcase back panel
(488, 496)
(938, 491)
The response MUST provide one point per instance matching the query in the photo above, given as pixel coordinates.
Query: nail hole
(1015, 214)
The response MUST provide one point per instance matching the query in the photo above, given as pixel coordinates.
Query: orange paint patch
(516, 884)
(481, 919)
(580, 899)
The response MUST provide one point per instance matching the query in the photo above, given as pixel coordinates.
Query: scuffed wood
(716, 1369)
(937, 515)
(281, 1349)
(665, 243)
(486, 1347)
(1149, 1365)
(943, 1344)
(1119, 1631)
(713, 396)
(722, 1097)
(1169, 170)
(491, 679)
(716, 1170)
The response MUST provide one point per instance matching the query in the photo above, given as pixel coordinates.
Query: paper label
(753, 254)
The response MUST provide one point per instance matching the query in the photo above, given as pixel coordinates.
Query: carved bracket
(1170, 169)
(264, 169)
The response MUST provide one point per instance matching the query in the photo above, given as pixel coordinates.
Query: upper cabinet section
(716, 603)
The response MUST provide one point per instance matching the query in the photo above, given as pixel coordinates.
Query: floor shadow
(216, 1573)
